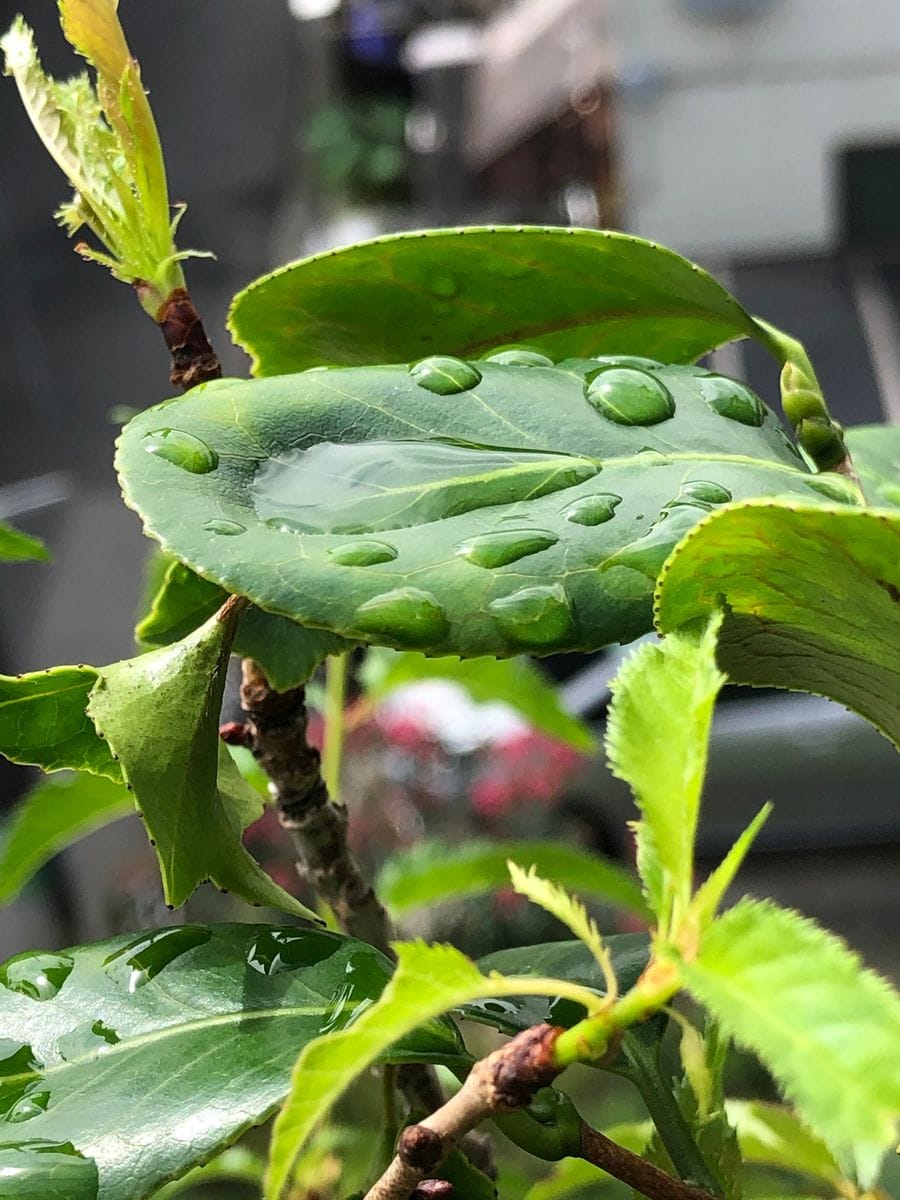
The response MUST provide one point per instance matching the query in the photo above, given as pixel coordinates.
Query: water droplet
(405, 615)
(444, 375)
(38, 976)
(648, 553)
(834, 489)
(362, 554)
(731, 399)
(142, 960)
(182, 450)
(592, 510)
(30, 1105)
(627, 360)
(17, 1058)
(628, 396)
(350, 1000)
(443, 285)
(701, 492)
(228, 528)
(519, 356)
(652, 458)
(505, 546)
(278, 950)
(535, 616)
(364, 487)
(86, 1040)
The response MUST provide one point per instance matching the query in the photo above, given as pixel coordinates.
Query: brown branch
(630, 1168)
(193, 358)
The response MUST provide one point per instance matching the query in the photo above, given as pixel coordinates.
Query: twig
(193, 358)
(630, 1168)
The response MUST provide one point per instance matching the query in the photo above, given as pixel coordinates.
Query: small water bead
(701, 492)
(628, 396)
(535, 616)
(279, 950)
(38, 976)
(142, 959)
(289, 525)
(519, 356)
(834, 488)
(733, 400)
(653, 458)
(406, 615)
(31, 1105)
(351, 998)
(444, 375)
(592, 510)
(505, 546)
(226, 528)
(362, 554)
(182, 450)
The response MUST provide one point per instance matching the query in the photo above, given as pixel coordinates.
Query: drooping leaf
(567, 908)
(770, 1135)
(876, 460)
(657, 737)
(511, 681)
(812, 600)
(41, 1170)
(827, 1028)
(566, 292)
(515, 515)
(44, 723)
(287, 653)
(709, 895)
(54, 815)
(429, 981)
(150, 1053)
(433, 871)
(238, 1164)
(16, 546)
(160, 714)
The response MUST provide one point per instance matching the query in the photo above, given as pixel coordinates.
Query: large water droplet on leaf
(30, 1105)
(834, 488)
(86, 1040)
(351, 998)
(444, 375)
(731, 399)
(535, 616)
(367, 486)
(592, 510)
(627, 360)
(362, 554)
(226, 528)
(701, 492)
(182, 449)
(411, 617)
(628, 396)
(505, 546)
(279, 950)
(519, 356)
(142, 960)
(38, 976)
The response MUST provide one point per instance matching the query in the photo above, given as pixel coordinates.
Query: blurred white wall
(728, 129)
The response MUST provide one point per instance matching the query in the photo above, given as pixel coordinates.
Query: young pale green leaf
(429, 981)
(512, 681)
(568, 909)
(876, 460)
(770, 1135)
(43, 722)
(709, 895)
(54, 815)
(287, 652)
(160, 714)
(16, 546)
(529, 511)
(657, 736)
(432, 872)
(566, 292)
(827, 1029)
(150, 1053)
(810, 595)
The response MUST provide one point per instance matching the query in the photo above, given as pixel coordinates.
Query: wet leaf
(876, 459)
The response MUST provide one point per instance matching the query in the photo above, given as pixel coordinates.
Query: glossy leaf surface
(566, 292)
(812, 600)
(149, 1053)
(55, 814)
(16, 546)
(876, 459)
(530, 512)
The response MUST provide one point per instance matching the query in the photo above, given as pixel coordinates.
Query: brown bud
(433, 1189)
(420, 1148)
(235, 733)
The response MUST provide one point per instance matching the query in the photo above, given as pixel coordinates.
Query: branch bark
(630, 1168)
(193, 358)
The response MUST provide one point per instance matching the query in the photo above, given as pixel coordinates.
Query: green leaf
(160, 714)
(236, 1165)
(43, 722)
(506, 518)
(151, 1053)
(512, 681)
(826, 1028)
(287, 653)
(709, 895)
(656, 740)
(434, 871)
(55, 814)
(876, 460)
(40, 1170)
(566, 292)
(429, 981)
(811, 600)
(770, 1135)
(16, 546)
(568, 909)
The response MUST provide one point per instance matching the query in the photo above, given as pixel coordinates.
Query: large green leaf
(16, 546)
(811, 595)
(463, 291)
(514, 515)
(149, 1053)
(772, 1136)
(55, 814)
(827, 1029)
(160, 714)
(876, 458)
(46, 1171)
(432, 872)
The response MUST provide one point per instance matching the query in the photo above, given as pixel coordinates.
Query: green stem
(333, 745)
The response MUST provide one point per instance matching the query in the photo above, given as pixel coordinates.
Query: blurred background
(759, 137)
